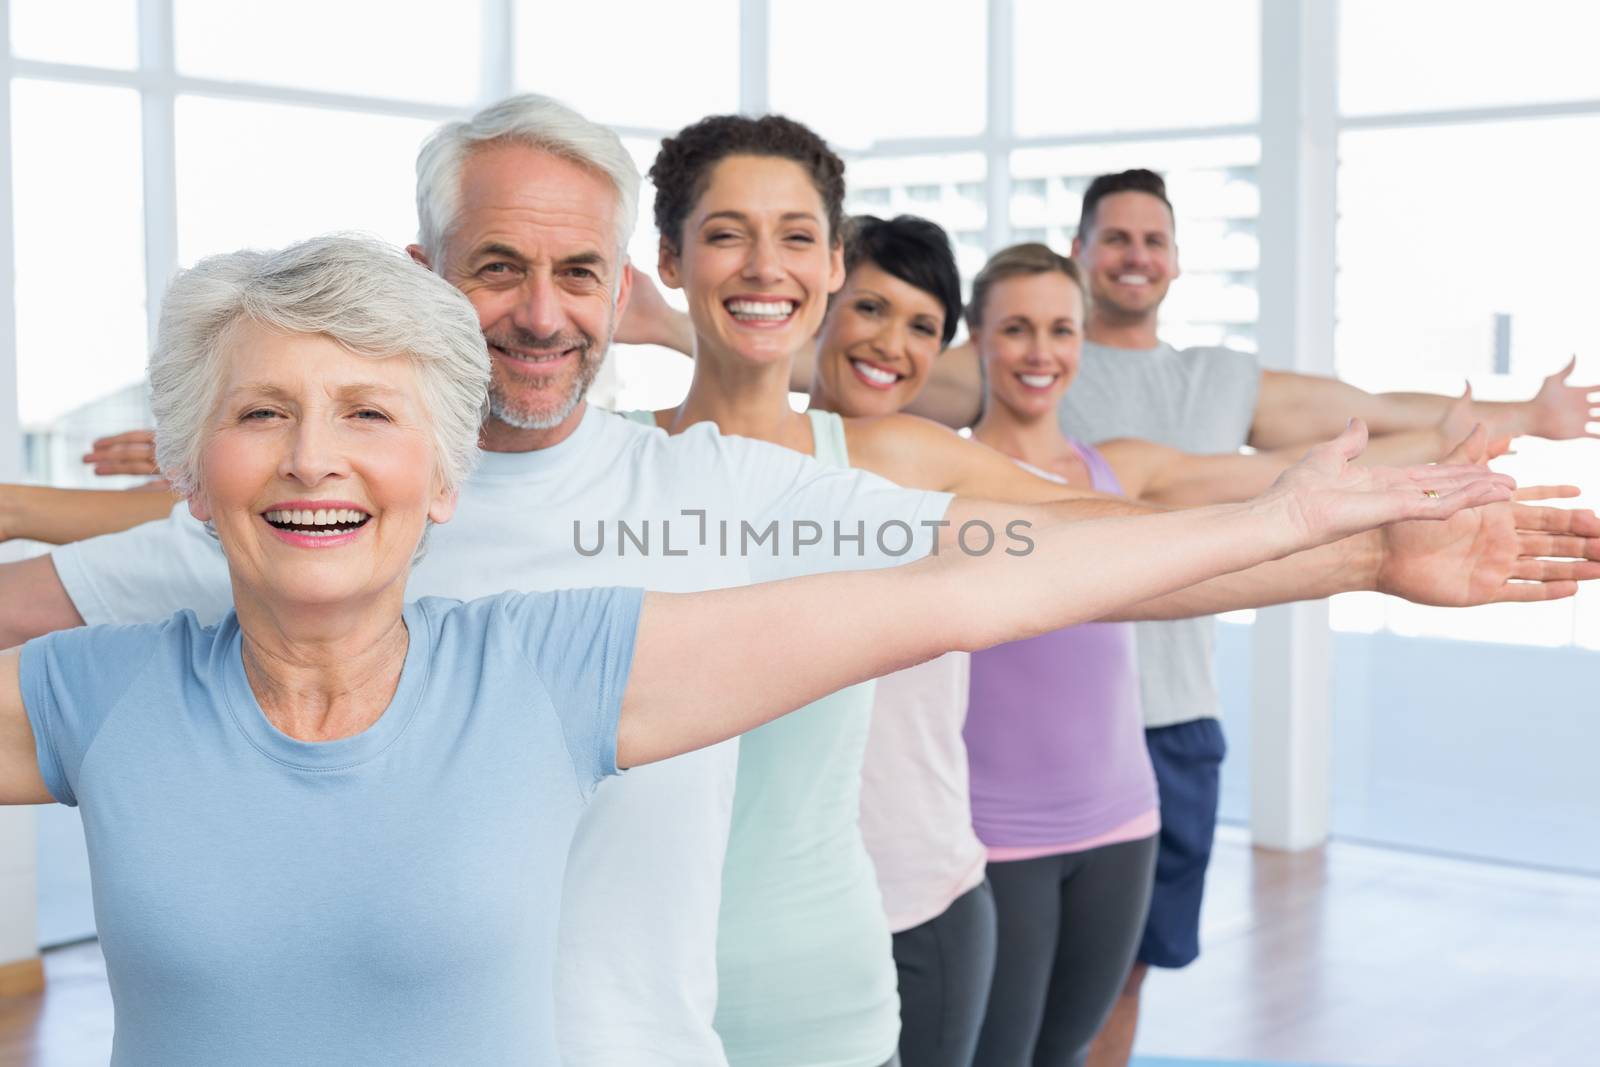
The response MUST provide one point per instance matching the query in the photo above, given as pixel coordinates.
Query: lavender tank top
(1054, 733)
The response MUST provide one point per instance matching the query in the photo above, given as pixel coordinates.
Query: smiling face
(534, 247)
(1130, 255)
(318, 470)
(877, 345)
(1030, 339)
(757, 261)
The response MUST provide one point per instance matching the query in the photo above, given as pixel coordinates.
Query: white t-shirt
(916, 813)
(636, 969)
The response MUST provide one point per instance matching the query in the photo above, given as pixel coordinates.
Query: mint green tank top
(805, 965)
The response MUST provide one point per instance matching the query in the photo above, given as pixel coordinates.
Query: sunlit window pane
(405, 49)
(94, 33)
(948, 189)
(1212, 185)
(632, 62)
(81, 327)
(1157, 64)
(1454, 729)
(265, 175)
(860, 73)
(644, 376)
(1424, 55)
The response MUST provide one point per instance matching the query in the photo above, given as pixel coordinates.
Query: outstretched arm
(919, 453)
(20, 781)
(1158, 474)
(33, 601)
(1297, 409)
(61, 516)
(954, 393)
(708, 666)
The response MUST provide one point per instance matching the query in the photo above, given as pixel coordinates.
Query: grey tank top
(1200, 400)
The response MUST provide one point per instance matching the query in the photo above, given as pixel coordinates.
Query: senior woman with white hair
(333, 827)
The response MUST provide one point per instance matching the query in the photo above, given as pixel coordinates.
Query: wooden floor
(1348, 955)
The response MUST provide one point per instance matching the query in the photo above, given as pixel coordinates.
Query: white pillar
(755, 35)
(1290, 730)
(999, 124)
(19, 914)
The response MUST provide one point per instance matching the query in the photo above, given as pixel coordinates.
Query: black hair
(914, 250)
(1137, 180)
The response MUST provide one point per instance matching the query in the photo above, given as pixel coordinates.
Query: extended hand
(1329, 498)
(1460, 419)
(1562, 412)
(1503, 552)
(133, 452)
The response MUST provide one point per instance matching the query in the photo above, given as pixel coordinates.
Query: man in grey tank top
(1204, 400)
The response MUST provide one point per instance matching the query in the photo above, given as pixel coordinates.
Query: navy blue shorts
(1188, 760)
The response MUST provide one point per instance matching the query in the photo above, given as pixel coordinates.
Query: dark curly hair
(912, 249)
(682, 169)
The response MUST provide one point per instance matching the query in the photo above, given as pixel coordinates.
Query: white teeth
(764, 310)
(1037, 381)
(873, 374)
(1133, 279)
(316, 517)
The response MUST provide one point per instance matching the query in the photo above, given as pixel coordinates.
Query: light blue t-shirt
(387, 898)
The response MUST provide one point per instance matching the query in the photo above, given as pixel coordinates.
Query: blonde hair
(1019, 261)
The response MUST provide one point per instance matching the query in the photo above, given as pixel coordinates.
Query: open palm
(1498, 553)
(1330, 498)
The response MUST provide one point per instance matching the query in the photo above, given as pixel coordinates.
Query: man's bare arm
(20, 780)
(33, 601)
(1301, 409)
(954, 393)
(61, 516)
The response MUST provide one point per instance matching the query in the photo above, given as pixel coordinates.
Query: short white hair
(368, 296)
(534, 121)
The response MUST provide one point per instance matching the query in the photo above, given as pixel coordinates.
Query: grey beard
(526, 420)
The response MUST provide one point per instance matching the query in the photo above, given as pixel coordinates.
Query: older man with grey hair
(526, 208)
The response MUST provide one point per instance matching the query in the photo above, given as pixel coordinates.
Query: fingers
(1555, 570)
(1579, 521)
(1531, 592)
(1352, 442)
(1474, 494)
(1557, 545)
(132, 452)
(1561, 375)
(1473, 448)
(1444, 479)
(1545, 492)
(127, 466)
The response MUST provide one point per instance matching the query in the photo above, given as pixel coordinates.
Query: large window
(1465, 224)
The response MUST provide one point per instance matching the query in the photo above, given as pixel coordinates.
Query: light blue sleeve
(72, 681)
(580, 643)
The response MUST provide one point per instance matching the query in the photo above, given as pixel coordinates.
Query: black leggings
(945, 965)
(1069, 926)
